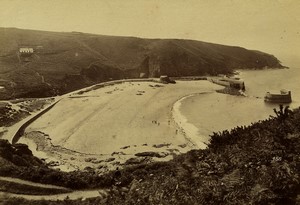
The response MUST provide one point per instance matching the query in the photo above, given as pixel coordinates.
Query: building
(26, 51)
(235, 83)
(282, 97)
(165, 79)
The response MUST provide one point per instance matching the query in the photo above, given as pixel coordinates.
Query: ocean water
(212, 112)
(259, 82)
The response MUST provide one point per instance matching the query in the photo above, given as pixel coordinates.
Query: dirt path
(93, 51)
(71, 195)
(29, 183)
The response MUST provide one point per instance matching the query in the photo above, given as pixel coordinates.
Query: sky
(272, 26)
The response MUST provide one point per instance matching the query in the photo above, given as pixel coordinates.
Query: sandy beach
(104, 126)
(117, 121)
(190, 130)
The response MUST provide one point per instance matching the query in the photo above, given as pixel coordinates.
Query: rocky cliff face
(62, 62)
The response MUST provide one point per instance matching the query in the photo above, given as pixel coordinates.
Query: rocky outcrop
(22, 149)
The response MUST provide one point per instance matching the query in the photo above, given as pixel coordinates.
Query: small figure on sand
(176, 132)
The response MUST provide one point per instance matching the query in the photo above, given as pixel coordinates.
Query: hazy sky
(268, 25)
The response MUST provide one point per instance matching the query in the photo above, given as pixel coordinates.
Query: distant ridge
(65, 61)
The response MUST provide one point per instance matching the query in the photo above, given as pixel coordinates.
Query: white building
(25, 50)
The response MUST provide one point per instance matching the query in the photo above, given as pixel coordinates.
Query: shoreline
(105, 104)
(216, 166)
(111, 90)
(190, 131)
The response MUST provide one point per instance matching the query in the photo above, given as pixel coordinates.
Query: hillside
(257, 164)
(63, 62)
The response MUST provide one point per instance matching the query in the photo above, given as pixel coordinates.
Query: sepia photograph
(137, 102)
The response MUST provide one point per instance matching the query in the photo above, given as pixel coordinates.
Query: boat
(283, 97)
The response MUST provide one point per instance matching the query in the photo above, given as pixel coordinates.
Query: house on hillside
(26, 51)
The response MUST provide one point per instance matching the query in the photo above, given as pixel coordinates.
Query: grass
(256, 164)
(69, 61)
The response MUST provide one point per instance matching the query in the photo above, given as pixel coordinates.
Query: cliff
(62, 62)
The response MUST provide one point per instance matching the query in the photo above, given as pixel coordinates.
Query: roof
(26, 50)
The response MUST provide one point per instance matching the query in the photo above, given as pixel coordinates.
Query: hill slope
(62, 62)
(257, 164)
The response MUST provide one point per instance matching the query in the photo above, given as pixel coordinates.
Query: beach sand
(125, 118)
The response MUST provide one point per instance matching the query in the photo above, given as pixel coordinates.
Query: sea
(214, 112)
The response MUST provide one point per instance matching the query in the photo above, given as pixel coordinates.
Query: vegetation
(64, 62)
(18, 161)
(9, 116)
(256, 164)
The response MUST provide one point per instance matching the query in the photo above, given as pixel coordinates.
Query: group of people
(158, 123)
(155, 122)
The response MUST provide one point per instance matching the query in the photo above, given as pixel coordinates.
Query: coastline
(190, 131)
(220, 111)
(134, 130)
(143, 100)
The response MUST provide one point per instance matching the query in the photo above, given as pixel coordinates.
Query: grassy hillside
(62, 62)
(257, 164)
